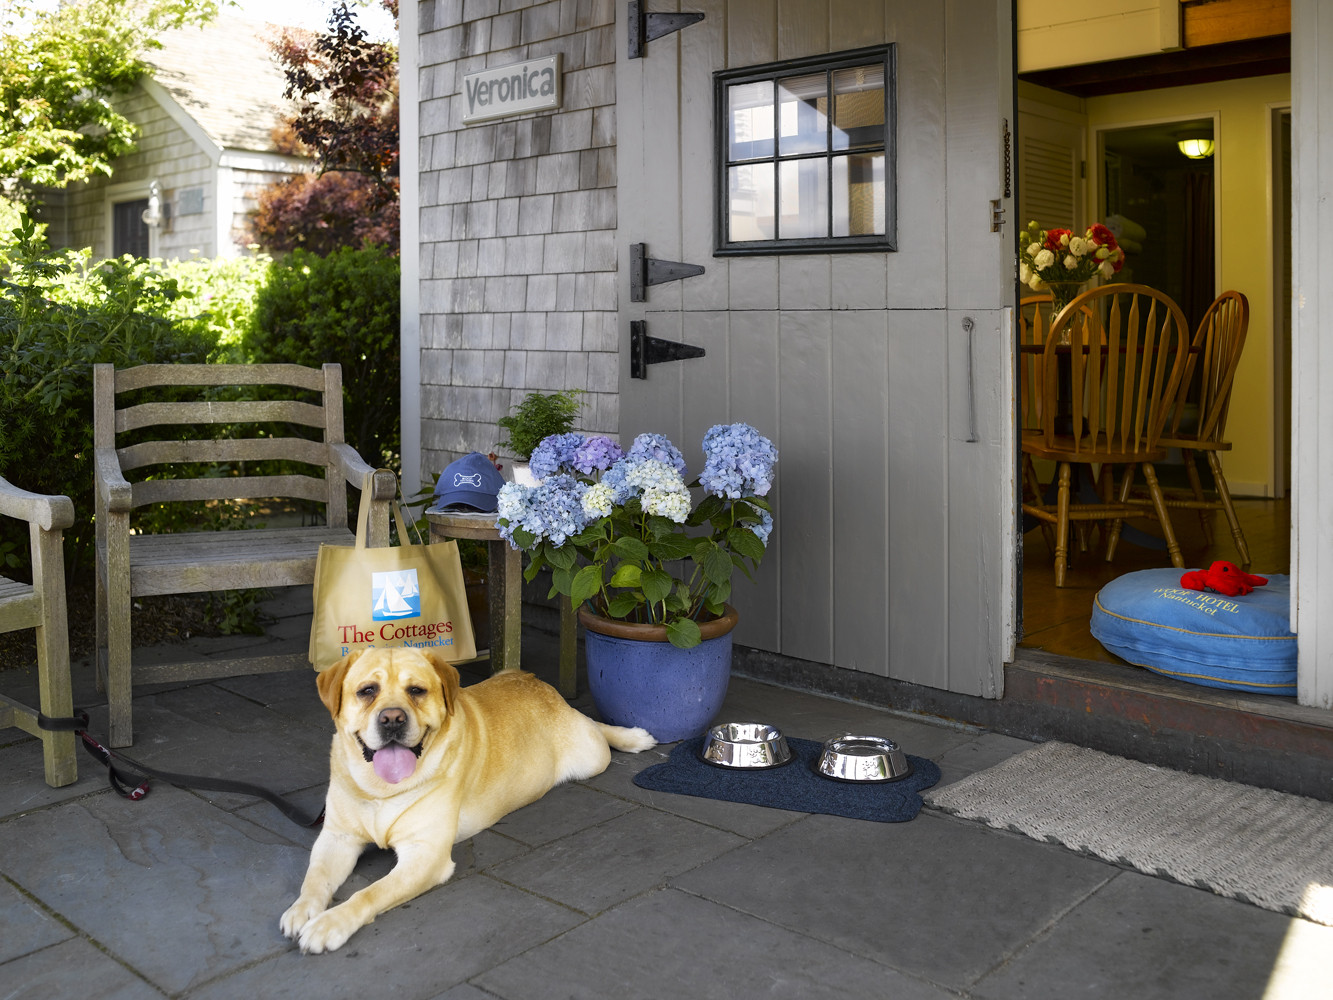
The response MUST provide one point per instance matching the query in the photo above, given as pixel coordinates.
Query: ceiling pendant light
(1196, 148)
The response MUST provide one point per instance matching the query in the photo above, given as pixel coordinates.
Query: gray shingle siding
(518, 219)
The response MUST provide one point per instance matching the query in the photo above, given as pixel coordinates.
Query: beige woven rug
(1253, 844)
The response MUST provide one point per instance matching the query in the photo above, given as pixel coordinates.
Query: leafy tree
(345, 86)
(322, 212)
(59, 67)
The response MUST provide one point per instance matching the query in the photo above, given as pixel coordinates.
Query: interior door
(883, 377)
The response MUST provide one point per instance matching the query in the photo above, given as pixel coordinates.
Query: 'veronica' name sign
(512, 90)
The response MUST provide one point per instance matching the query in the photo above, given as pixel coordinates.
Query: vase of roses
(1061, 261)
(648, 566)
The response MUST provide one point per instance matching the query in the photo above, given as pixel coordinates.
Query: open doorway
(1157, 184)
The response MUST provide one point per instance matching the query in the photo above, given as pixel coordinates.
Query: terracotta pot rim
(654, 633)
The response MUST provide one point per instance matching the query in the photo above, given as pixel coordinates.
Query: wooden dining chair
(1205, 395)
(1111, 367)
(1034, 318)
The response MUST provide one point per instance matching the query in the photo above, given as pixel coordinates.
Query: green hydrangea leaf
(630, 548)
(716, 565)
(684, 633)
(746, 542)
(623, 604)
(586, 583)
(562, 557)
(673, 546)
(656, 584)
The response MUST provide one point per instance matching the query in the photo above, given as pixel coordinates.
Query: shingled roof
(224, 74)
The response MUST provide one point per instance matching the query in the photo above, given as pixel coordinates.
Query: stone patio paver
(601, 889)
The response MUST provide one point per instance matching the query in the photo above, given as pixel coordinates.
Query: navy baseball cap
(470, 483)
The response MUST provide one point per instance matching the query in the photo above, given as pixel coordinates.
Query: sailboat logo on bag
(395, 595)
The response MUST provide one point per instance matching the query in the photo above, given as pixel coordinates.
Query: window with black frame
(805, 155)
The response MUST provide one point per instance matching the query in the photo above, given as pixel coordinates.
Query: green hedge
(59, 315)
(61, 312)
(341, 308)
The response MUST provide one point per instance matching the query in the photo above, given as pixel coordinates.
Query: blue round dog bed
(1242, 643)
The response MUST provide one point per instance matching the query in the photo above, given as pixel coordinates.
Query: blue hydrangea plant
(622, 534)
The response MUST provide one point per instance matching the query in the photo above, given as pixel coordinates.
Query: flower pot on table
(638, 678)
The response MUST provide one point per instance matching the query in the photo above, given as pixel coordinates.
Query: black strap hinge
(645, 271)
(645, 350)
(644, 27)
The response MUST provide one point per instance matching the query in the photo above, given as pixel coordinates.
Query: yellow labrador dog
(419, 763)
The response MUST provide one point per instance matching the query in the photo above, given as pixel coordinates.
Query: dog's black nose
(392, 721)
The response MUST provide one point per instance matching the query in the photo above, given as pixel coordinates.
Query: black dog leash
(134, 785)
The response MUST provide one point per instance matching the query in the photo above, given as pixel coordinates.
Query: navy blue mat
(794, 786)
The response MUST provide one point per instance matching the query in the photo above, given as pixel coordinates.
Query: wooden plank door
(881, 376)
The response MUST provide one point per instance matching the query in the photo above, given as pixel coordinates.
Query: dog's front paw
(329, 930)
(298, 915)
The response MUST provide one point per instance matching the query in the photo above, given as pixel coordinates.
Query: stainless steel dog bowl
(745, 746)
(863, 758)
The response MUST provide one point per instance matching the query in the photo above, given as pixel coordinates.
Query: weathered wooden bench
(41, 606)
(194, 465)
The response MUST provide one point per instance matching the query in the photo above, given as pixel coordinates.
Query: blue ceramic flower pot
(637, 678)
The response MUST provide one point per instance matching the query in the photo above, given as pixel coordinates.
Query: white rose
(1033, 249)
(1024, 272)
(1043, 259)
(1078, 246)
(1036, 283)
(1106, 269)
(1071, 262)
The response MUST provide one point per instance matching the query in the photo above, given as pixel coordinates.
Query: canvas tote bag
(409, 595)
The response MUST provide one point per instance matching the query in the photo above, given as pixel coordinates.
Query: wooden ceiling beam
(1203, 64)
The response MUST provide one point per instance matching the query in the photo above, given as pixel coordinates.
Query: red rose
(1053, 237)
(1103, 236)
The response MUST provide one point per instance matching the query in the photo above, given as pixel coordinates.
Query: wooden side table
(505, 596)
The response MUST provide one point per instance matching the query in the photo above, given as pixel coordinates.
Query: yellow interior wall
(1054, 33)
(1244, 224)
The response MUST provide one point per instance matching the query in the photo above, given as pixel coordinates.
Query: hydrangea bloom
(592, 499)
(674, 504)
(598, 500)
(596, 454)
(738, 461)
(511, 503)
(614, 479)
(554, 453)
(552, 510)
(658, 447)
(764, 528)
(652, 474)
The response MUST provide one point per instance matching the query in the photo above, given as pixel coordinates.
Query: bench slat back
(242, 416)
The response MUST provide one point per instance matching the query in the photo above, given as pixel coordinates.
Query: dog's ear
(330, 682)
(448, 678)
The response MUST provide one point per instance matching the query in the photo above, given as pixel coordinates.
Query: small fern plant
(537, 417)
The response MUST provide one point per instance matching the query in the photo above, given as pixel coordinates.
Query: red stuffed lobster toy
(1223, 577)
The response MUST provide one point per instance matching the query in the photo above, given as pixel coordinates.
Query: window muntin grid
(795, 177)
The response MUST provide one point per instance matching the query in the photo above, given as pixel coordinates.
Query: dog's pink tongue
(394, 763)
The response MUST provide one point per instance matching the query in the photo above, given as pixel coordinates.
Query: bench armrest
(384, 485)
(112, 486)
(46, 511)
